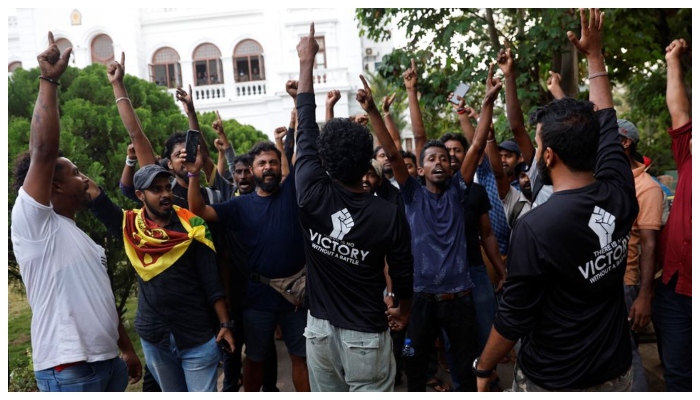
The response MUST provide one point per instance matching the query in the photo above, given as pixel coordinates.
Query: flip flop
(437, 385)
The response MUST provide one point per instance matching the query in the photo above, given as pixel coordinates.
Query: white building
(237, 60)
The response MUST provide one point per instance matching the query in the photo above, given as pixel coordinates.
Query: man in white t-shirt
(76, 333)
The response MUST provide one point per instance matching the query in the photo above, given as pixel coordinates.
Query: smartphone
(191, 143)
(460, 91)
(223, 345)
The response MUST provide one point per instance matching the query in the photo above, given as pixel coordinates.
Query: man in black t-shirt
(563, 297)
(347, 236)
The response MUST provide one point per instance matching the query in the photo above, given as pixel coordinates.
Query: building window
(165, 70)
(13, 66)
(207, 65)
(248, 64)
(63, 44)
(408, 144)
(320, 62)
(102, 50)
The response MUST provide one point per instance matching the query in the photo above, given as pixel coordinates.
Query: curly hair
(21, 167)
(429, 144)
(345, 149)
(455, 136)
(262, 147)
(570, 128)
(175, 138)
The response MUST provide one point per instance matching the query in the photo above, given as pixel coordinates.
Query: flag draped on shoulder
(152, 249)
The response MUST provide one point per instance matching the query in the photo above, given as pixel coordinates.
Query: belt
(444, 296)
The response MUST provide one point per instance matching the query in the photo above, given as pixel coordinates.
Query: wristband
(130, 162)
(490, 140)
(228, 324)
(597, 74)
(390, 294)
(461, 111)
(479, 372)
(189, 175)
(50, 80)
(123, 98)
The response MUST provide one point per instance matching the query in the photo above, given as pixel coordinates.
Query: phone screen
(191, 143)
(460, 91)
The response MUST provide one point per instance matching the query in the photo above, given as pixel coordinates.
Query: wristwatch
(480, 373)
(228, 324)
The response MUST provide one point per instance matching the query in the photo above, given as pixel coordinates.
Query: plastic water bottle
(408, 350)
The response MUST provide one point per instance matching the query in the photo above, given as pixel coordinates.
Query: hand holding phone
(223, 345)
(191, 144)
(460, 91)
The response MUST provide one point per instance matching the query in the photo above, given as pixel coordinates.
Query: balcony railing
(209, 92)
(249, 89)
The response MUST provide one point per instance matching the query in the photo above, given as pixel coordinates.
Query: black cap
(510, 145)
(143, 178)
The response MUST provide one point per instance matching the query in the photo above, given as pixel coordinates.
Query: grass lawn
(18, 331)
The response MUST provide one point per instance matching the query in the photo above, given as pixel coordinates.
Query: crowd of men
(483, 246)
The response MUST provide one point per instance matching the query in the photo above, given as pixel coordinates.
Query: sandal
(437, 385)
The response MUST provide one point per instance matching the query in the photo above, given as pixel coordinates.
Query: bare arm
(224, 333)
(591, 45)
(490, 245)
(554, 85)
(280, 133)
(331, 99)
(133, 364)
(144, 150)
(471, 159)
(45, 126)
(188, 104)
(676, 97)
(496, 348)
(410, 80)
(640, 312)
(364, 97)
(389, 120)
(195, 201)
(513, 109)
(127, 178)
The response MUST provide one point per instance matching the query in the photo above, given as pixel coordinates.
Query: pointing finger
(312, 31)
(364, 82)
(413, 64)
(122, 63)
(217, 114)
(51, 41)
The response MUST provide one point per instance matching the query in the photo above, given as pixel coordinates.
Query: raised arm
(332, 98)
(676, 97)
(280, 133)
(554, 85)
(591, 45)
(45, 127)
(389, 120)
(144, 150)
(127, 178)
(464, 114)
(410, 80)
(226, 152)
(494, 156)
(513, 109)
(471, 159)
(364, 97)
(195, 201)
(188, 104)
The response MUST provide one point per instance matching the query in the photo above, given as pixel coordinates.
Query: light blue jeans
(189, 370)
(342, 360)
(100, 376)
(484, 303)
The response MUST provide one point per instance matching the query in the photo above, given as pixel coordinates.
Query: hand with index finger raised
(364, 96)
(51, 62)
(115, 71)
(308, 47)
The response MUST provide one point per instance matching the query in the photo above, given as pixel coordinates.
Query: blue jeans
(342, 360)
(428, 319)
(484, 304)
(100, 376)
(188, 370)
(673, 320)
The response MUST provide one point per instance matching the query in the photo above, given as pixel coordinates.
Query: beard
(154, 208)
(268, 187)
(543, 171)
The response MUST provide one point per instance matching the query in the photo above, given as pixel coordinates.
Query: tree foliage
(94, 138)
(453, 45)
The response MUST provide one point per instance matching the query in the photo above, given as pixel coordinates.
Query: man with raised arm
(347, 236)
(76, 333)
(564, 297)
(672, 306)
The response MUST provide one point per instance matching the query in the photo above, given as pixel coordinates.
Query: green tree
(454, 45)
(94, 138)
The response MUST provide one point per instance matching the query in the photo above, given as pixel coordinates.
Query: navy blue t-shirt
(269, 228)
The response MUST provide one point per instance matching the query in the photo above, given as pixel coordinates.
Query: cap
(510, 145)
(377, 166)
(521, 167)
(628, 130)
(143, 178)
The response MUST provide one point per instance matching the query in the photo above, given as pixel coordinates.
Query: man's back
(565, 285)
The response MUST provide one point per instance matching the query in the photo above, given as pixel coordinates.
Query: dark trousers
(428, 319)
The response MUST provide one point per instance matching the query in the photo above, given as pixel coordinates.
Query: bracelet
(461, 111)
(597, 74)
(390, 294)
(490, 140)
(189, 175)
(123, 98)
(130, 162)
(50, 80)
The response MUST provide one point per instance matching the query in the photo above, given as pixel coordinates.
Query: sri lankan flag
(152, 249)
